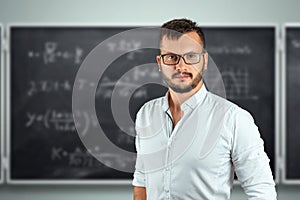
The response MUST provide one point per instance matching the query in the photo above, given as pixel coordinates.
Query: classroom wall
(137, 12)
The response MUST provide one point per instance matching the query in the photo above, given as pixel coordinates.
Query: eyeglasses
(188, 58)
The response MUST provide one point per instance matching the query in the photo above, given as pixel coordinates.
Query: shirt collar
(192, 102)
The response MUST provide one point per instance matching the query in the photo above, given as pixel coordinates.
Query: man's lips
(182, 76)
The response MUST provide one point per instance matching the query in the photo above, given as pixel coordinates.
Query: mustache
(183, 73)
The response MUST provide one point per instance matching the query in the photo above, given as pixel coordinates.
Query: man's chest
(196, 142)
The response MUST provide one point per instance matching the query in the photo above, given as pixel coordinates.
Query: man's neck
(176, 99)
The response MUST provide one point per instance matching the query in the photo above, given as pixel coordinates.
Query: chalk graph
(237, 84)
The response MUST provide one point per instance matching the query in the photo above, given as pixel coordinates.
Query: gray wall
(138, 12)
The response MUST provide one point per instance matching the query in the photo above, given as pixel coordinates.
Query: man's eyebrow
(169, 52)
(190, 52)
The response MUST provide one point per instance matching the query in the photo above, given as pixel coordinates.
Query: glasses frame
(182, 56)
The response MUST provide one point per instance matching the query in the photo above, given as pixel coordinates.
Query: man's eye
(191, 56)
(171, 57)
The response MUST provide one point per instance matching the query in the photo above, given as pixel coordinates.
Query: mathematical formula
(63, 121)
(52, 54)
(131, 47)
(224, 50)
(83, 158)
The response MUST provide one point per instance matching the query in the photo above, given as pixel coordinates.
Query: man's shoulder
(229, 111)
(220, 101)
(223, 104)
(153, 103)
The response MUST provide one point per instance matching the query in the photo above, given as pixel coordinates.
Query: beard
(183, 88)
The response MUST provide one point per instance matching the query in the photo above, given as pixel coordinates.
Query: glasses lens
(189, 58)
(170, 59)
(192, 58)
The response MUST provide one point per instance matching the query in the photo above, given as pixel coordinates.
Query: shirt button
(167, 169)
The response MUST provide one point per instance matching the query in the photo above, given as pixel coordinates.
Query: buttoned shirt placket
(171, 136)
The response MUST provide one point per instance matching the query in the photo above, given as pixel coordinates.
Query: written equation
(63, 121)
(233, 50)
(131, 47)
(86, 158)
(51, 53)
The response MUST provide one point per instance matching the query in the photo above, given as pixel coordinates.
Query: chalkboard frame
(2, 107)
(128, 25)
(277, 83)
(285, 180)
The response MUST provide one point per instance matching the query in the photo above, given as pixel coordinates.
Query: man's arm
(139, 179)
(250, 161)
(139, 193)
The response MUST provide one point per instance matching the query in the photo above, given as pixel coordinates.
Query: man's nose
(181, 64)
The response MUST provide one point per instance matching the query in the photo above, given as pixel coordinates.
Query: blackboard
(44, 60)
(292, 103)
(44, 144)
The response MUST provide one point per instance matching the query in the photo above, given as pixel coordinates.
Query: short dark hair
(175, 28)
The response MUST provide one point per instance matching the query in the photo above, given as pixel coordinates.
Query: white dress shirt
(196, 160)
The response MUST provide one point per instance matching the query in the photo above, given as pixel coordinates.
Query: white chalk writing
(52, 53)
(131, 47)
(240, 50)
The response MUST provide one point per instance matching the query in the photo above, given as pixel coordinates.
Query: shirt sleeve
(250, 161)
(139, 175)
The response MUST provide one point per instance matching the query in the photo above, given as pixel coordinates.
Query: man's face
(183, 77)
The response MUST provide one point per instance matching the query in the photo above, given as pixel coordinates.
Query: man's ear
(158, 60)
(205, 60)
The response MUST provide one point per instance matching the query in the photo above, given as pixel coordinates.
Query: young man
(190, 142)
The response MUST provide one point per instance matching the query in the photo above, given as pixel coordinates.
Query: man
(190, 142)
